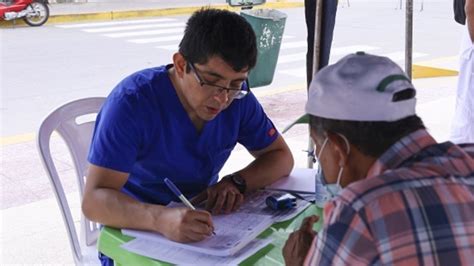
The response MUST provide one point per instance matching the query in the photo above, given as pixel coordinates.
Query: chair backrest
(77, 136)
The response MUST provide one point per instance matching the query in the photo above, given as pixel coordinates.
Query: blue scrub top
(143, 129)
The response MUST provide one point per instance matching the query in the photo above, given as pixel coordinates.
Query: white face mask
(325, 191)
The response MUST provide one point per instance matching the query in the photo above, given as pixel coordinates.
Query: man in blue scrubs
(181, 121)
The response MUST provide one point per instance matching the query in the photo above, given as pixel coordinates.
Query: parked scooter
(33, 12)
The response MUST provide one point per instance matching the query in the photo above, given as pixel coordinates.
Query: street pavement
(32, 227)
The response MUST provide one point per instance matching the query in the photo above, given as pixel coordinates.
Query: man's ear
(179, 64)
(341, 148)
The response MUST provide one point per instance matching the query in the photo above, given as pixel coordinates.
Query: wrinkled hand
(221, 197)
(298, 244)
(185, 225)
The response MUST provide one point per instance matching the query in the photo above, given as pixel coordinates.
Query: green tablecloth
(110, 240)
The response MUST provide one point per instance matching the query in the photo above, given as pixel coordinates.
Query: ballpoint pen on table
(180, 195)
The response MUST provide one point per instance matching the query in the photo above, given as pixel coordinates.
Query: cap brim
(302, 120)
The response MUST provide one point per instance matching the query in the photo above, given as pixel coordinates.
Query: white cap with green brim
(360, 87)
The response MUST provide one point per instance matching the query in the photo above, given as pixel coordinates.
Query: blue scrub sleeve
(117, 134)
(256, 129)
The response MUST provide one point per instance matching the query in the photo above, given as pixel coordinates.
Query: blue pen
(180, 195)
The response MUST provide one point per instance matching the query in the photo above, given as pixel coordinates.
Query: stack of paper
(232, 233)
(234, 241)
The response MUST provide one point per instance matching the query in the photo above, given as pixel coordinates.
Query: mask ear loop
(316, 158)
(322, 147)
(339, 175)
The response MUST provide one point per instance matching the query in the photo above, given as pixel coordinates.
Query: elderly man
(395, 195)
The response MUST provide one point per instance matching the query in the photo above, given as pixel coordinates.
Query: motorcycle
(33, 12)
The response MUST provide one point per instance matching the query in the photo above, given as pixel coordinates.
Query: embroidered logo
(271, 132)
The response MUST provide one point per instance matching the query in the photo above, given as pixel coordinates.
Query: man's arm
(270, 164)
(469, 9)
(103, 202)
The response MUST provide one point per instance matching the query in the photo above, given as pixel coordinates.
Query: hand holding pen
(186, 202)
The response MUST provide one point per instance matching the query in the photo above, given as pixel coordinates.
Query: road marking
(287, 58)
(275, 91)
(144, 33)
(344, 50)
(17, 139)
(299, 72)
(172, 47)
(113, 23)
(158, 39)
(289, 45)
(135, 27)
(398, 56)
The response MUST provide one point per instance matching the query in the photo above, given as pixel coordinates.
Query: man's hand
(221, 197)
(298, 244)
(185, 225)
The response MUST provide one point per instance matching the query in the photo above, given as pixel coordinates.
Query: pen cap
(173, 188)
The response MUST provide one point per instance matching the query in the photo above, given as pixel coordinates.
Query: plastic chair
(77, 137)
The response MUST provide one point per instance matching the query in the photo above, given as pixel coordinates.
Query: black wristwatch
(238, 181)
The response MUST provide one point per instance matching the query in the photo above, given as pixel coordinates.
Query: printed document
(233, 232)
(183, 256)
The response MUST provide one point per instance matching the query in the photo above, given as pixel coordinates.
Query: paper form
(233, 232)
(300, 180)
(182, 256)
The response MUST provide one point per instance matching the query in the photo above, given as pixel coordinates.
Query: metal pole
(316, 56)
(409, 38)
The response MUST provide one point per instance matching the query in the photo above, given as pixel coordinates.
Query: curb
(112, 15)
(421, 71)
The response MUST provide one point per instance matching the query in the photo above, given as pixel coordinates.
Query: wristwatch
(238, 181)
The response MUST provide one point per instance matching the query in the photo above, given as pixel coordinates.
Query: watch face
(239, 182)
(238, 179)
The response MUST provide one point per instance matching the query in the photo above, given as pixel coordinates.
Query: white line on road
(173, 47)
(158, 39)
(112, 23)
(352, 49)
(288, 58)
(288, 45)
(144, 33)
(295, 72)
(136, 27)
(398, 56)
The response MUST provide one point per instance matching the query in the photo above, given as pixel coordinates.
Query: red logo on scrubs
(271, 132)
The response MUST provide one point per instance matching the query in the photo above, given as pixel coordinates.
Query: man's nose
(222, 96)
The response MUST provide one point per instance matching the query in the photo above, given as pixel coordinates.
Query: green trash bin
(268, 25)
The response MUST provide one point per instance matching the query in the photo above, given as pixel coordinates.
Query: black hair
(214, 32)
(370, 138)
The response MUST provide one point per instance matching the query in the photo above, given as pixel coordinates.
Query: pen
(180, 195)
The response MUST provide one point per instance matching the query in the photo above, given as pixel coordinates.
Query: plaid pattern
(416, 207)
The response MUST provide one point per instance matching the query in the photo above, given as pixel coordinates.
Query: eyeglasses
(232, 93)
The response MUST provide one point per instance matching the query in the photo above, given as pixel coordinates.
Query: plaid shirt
(415, 207)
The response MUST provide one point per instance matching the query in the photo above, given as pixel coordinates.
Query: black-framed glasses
(232, 93)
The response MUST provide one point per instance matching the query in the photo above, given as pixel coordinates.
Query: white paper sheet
(182, 256)
(300, 180)
(233, 232)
